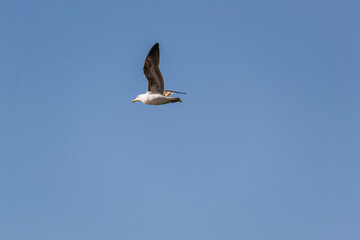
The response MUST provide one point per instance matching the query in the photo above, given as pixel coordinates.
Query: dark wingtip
(175, 92)
(156, 46)
(154, 50)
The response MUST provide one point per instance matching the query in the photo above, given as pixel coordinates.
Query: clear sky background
(266, 144)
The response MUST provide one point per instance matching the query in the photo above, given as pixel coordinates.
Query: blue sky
(266, 144)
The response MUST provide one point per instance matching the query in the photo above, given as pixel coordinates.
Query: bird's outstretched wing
(168, 93)
(152, 71)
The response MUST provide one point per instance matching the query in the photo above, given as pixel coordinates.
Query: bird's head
(138, 98)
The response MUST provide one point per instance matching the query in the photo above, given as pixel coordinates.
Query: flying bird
(155, 95)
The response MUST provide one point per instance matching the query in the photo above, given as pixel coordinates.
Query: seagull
(155, 95)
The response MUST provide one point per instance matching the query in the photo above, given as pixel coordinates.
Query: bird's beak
(134, 100)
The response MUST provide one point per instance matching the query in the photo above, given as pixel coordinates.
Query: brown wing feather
(168, 93)
(152, 71)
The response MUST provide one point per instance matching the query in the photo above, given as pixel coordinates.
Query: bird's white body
(156, 99)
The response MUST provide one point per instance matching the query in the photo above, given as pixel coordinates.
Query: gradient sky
(266, 144)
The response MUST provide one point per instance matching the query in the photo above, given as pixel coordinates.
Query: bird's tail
(173, 99)
(168, 93)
